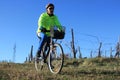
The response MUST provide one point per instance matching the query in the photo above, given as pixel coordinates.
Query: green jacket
(47, 22)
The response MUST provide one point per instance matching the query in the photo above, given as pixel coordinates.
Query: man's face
(50, 10)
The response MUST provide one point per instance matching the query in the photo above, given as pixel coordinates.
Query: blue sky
(93, 21)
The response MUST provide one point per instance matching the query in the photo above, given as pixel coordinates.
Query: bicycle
(54, 54)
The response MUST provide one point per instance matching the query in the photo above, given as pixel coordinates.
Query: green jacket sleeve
(58, 23)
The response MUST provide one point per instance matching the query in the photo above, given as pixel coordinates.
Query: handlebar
(55, 33)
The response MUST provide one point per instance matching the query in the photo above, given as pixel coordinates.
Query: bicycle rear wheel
(56, 58)
(39, 61)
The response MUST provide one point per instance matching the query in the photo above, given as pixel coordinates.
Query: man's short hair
(50, 4)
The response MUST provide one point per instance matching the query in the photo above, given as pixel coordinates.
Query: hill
(81, 69)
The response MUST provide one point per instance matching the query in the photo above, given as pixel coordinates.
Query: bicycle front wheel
(56, 58)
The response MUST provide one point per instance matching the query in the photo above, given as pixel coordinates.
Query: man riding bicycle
(46, 21)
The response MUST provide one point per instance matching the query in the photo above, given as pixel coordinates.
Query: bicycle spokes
(39, 63)
(56, 59)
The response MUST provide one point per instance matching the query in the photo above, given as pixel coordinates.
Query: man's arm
(59, 26)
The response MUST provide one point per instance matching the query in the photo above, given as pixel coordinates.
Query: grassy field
(81, 69)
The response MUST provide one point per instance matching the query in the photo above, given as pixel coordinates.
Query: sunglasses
(50, 8)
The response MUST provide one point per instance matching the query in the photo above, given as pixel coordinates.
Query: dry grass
(82, 69)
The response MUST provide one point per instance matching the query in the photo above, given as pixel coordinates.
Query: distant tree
(30, 56)
(14, 51)
(31, 53)
(111, 56)
(74, 51)
(91, 54)
(99, 50)
(26, 60)
(80, 54)
(117, 50)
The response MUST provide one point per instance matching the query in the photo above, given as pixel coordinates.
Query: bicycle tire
(56, 58)
(39, 61)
